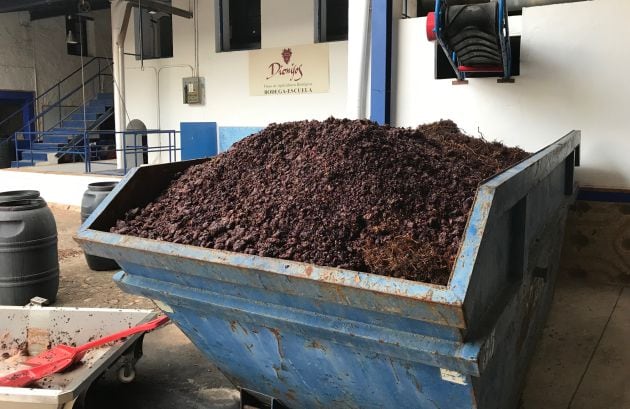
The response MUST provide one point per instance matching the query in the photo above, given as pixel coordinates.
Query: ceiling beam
(8, 6)
(158, 6)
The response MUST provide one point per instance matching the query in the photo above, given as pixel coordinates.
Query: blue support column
(381, 71)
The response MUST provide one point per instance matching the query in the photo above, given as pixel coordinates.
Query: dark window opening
(425, 7)
(333, 20)
(410, 8)
(76, 36)
(153, 33)
(443, 69)
(240, 24)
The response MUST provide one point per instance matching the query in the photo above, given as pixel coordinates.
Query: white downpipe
(120, 14)
(358, 58)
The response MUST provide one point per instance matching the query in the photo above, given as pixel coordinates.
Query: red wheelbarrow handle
(149, 326)
(62, 356)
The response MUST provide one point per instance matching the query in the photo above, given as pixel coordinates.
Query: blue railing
(83, 148)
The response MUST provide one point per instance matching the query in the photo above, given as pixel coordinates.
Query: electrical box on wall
(193, 87)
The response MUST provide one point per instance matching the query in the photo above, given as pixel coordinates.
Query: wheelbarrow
(28, 330)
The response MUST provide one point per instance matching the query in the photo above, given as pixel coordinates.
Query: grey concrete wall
(34, 57)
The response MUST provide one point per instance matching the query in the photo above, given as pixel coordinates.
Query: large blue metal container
(320, 337)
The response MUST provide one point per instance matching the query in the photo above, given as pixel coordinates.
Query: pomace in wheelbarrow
(339, 193)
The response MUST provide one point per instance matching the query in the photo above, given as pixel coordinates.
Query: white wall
(55, 188)
(573, 63)
(227, 99)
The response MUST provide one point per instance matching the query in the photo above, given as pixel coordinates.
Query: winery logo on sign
(293, 71)
(298, 69)
(286, 55)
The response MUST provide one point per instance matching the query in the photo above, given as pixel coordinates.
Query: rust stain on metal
(276, 333)
(415, 382)
(235, 324)
(316, 345)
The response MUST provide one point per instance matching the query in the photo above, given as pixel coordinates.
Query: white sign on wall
(291, 70)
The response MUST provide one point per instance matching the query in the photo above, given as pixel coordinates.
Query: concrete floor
(76, 168)
(582, 360)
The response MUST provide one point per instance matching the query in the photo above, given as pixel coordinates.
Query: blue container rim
(524, 175)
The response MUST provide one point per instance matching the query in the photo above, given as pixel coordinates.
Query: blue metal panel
(26, 99)
(596, 195)
(381, 62)
(229, 135)
(198, 140)
(316, 336)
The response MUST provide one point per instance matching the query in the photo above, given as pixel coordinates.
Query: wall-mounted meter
(193, 87)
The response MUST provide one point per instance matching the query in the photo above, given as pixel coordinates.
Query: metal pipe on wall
(358, 58)
(381, 63)
(120, 112)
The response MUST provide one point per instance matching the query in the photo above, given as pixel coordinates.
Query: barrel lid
(22, 204)
(102, 186)
(12, 195)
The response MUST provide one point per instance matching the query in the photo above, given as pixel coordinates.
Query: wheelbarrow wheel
(126, 374)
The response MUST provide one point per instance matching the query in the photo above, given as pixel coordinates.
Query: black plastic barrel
(92, 197)
(13, 195)
(29, 264)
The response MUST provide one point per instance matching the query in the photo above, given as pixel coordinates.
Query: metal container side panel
(343, 305)
(525, 199)
(311, 361)
(364, 291)
(509, 346)
(369, 336)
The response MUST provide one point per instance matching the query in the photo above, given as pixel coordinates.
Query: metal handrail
(86, 151)
(66, 149)
(56, 86)
(98, 75)
(101, 72)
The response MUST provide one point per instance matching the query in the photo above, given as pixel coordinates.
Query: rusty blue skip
(321, 337)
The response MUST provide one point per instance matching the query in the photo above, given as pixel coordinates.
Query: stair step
(24, 163)
(49, 147)
(77, 124)
(99, 110)
(105, 96)
(78, 116)
(95, 106)
(36, 156)
(64, 131)
(56, 139)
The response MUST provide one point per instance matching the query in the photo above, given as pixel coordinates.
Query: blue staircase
(65, 141)
(68, 136)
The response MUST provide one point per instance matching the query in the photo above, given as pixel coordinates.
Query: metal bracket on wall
(165, 8)
(257, 400)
